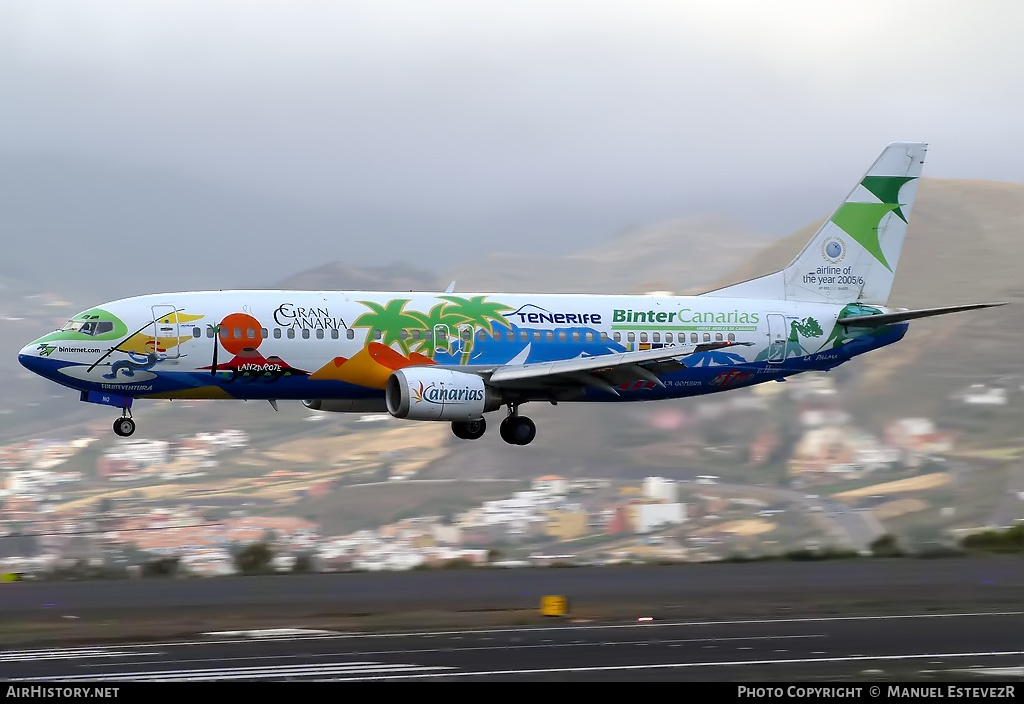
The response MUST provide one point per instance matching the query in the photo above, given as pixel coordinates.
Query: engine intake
(422, 393)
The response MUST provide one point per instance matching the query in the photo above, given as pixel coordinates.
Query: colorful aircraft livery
(454, 358)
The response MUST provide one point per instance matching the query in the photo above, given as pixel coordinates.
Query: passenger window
(305, 333)
(668, 337)
(376, 334)
(466, 334)
(334, 333)
(250, 333)
(643, 337)
(590, 337)
(481, 335)
(576, 336)
(550, 336)
(197, 332)
(277, 333)
(524, 336)
(415, 334)
(631, 337)
(656, 336)
(319, 333)
(718, 337)
(403, 333)
(604, 337)
(562, 336)
(510, 336)
(693, 337)
(732, 337)
(264, 333)
(350, 333)
(291, 333)
(707, 337)
(536, 335)
(209, 332)
(238, 333)
(618, 337)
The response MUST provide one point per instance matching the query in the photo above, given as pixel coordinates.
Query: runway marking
(733, 663)
(414, 651)
(272, 633)
(997, 671)
(428, 634)
(67, 654)
(231, 673)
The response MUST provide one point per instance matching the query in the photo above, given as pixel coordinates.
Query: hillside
(680, 256)
(964, 244)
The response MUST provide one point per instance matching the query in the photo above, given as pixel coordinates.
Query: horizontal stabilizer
(871, 321)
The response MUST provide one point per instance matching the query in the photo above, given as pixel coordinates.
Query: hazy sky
(436, 131)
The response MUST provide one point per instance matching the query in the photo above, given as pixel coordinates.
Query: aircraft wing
(871, 321)
(604, 371)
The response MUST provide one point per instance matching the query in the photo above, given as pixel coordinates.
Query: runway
(675, 590)
(978, 648)
(895, 619)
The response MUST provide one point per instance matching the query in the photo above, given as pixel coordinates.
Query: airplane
(438, 356)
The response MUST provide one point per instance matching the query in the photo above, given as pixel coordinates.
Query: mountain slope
(680, 255)
(964, 244)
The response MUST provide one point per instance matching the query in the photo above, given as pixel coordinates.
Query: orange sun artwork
(234, 332)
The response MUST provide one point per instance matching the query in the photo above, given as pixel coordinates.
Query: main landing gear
(124, 426)
(514, 429)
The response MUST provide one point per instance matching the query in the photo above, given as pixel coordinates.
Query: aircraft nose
(25, 355)
(30, 356)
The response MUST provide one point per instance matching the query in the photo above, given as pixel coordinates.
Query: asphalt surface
(830, 621)
(975, 649)
(65, 612)
(963, 579)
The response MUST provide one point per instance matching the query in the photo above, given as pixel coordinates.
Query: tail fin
(853, 256)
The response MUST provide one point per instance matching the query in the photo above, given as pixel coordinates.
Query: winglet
(451, 287)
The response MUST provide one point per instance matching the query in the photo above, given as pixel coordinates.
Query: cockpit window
(88, 327)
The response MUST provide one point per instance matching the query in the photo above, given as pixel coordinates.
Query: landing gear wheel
(469, 429)
(505, 430)
(517, 430)
(124, 427)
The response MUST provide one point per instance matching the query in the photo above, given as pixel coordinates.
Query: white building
(666, 490)
(981, 395)
(550, 484)
(648, 517)
(141, 451)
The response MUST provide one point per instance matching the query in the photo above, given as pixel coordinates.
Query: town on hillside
(763, 471)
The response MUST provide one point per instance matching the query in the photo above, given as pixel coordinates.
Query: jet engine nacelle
(422, 393)
(341, 405)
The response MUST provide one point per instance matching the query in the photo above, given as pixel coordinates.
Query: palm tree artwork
(392, 318)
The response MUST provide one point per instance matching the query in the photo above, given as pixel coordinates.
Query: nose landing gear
(124, 426)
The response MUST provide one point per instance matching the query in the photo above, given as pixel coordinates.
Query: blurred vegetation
(255, 559)
(1010, 540)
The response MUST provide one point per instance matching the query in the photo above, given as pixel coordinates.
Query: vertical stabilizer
(853, 256)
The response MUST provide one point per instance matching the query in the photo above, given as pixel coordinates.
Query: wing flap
(602, 366)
